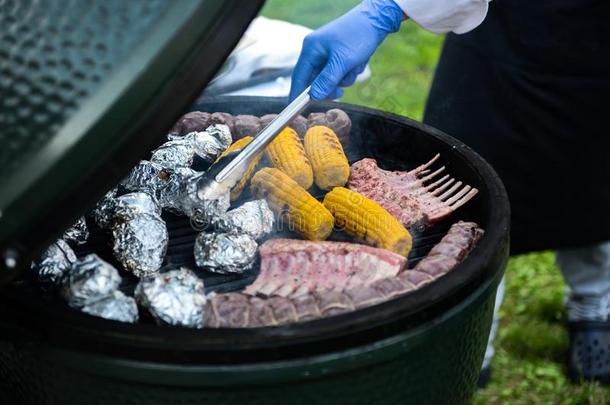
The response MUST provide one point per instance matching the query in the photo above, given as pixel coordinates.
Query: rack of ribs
(236, 310)
(416, 198)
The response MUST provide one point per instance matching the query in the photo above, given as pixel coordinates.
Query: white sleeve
(441, 16)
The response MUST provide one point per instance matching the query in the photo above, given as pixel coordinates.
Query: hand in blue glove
(334, 55)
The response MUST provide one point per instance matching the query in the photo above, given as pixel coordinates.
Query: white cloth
(442, 16)
(267, 45)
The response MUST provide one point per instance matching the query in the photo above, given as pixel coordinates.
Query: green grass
(532, 342)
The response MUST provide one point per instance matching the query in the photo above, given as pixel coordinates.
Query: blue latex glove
(334, 55)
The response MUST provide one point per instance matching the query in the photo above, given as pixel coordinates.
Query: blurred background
(532, 341)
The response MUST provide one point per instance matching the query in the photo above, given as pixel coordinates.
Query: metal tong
(212, 186)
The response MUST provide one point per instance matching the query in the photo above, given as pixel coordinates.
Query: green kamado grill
(86, 90)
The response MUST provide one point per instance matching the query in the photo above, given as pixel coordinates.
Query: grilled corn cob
(330, 165)
(238, 146)
(286, 153)
(368, 221)
(303, 213)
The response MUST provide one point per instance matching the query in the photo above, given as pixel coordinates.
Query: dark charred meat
(299, 123)
(238, 310)
(246, 125)
(194, 121)
(290, 267)
(451, 250)
(224, 119)
(266, 119)
(335, 119)
(249, 125)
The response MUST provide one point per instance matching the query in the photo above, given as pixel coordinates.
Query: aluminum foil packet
(53, 264)
(116, 306)
(130, 205)
(147, 177)
(209, 144)
(173, 154)
(254, 218)
(140, 243)
(176, 297)
(208, 211)
(201, 212)
(103, 211)
(89, 280)
(170, 197)
(225, 253)
(77, 233)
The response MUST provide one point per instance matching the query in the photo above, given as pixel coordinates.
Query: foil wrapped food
(131, 205)
(148, 177)
(116, 306)
(77, 233)
(209, 144)
(208, 211)
(53, 264)
(139, 243)
(89, 280)
(170, 197)
(225, 253)
(202, 212)
(176, 297)
(254, 218)
(103, 211)
(175, 153)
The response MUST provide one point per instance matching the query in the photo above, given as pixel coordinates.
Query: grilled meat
(409, 196)
(194, 121)
(250, 125)
(239, 310)
(246, 125)
(335, 119)
(451, 250)
(290, 268)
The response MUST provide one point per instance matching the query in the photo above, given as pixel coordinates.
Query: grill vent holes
(53, 58)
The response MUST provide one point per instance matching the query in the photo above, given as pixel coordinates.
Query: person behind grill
(526, 87)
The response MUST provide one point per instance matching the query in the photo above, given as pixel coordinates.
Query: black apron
(528, 90)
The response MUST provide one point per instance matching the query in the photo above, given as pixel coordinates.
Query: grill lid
(85, 91)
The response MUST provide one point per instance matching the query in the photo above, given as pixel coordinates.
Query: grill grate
(182, 238)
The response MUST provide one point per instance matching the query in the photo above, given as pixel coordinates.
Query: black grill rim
(36, 320)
